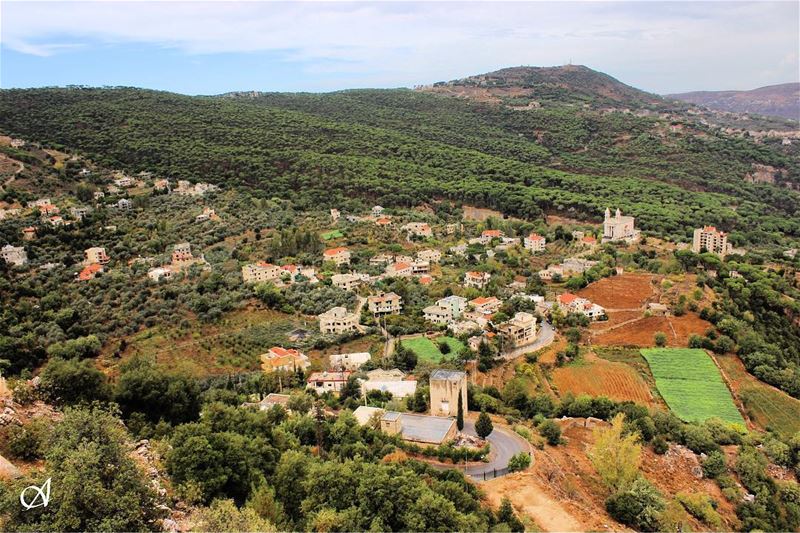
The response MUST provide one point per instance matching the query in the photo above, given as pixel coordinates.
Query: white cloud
(659, 46)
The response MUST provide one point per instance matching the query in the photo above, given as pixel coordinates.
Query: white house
(348, 361)
(14, 255)
(328, 381)
(337, 320)
(535, 243)
(476, 279)
(619, 228)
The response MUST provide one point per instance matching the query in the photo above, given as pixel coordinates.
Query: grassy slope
(691, 384)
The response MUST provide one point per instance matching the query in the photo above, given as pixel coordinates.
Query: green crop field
(335, 234)
(427, 350)
(691, 384)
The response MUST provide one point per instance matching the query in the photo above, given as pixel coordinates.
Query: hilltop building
(348, 361)
(619, 228)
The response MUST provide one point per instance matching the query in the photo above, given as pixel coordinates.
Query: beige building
(519, 331)
(28, 233)
(261, 272)
(489, 234)
(322, 382)
(535, 243)
(619, 228)
(340, 256)
(486, 305)
(286, 359)
(385, 304)
(14, 255)
(446, 386)
(709, 239)
(399, 270)
(347, 282)
(348, 361)
(95, 255)
(159, 273)
(419, 229)
(335, 214)
(477, 280)
(337, 320)
(431, 256)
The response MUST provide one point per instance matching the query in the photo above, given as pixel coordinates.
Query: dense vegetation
(405, 148)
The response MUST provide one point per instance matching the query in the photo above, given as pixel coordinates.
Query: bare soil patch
(641, 332)
(626, 291)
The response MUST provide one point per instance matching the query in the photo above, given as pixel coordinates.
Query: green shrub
(551, 431)
(519, 461)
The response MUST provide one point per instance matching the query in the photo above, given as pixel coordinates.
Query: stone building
(446, 385)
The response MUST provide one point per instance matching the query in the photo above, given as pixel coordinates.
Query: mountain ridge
(782, 100)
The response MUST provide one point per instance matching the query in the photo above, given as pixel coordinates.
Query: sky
(211, 47)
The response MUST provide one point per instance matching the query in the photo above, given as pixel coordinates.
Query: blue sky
(213, 47)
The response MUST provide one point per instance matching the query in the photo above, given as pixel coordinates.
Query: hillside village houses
(519, 331)
(340, 256)
(14, 255)
(90, 271)
(349, 361)
(28, 233)
(535, 243)
(56, 221)
(709, 239)
(399, 270)
(485, 306)
(79, 213)
(96, 255)
(161, 184)
(431, 256)
(182, 256)
(124, 204)
(477, 280)
(385, 304)
(124, 182)
(570, 303)
(347, 282)
(260, 272)
(158, 273)
(335, 214)
(459, 250)
(487, 236)
(207, 214)
(422, 429)
(571, 266)
(48, 210)
(327, 381)
(337, 320)
(418, 229)
(445, 310)
(377, 211)
(287, 359)
(394, 381)
(446, 386)
(619, 228)
(588, 241)
(199, 189)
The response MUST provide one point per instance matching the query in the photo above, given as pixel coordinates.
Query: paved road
(546, 336)
(505, 443)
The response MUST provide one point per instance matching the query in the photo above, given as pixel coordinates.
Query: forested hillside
(405, 147)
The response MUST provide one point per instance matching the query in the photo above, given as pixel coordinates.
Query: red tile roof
(90, 271)
(335, 251)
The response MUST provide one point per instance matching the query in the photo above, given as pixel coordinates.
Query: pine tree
(460, 417)
(506, 515)
(484, 427)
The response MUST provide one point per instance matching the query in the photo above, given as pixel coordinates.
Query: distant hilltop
(774, 100)
(567, 84)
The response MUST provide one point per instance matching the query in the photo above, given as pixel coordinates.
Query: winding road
(504, 444)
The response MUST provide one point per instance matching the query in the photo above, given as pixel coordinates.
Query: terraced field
(691, 384)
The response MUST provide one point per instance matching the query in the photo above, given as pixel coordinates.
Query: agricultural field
(427, 350)
(626, 291)
(599, 377)
(642, 332)
(691, 384)
(766, 406)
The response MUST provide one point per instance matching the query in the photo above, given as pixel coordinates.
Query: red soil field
(598, 377)
(626, 291)
(641, 332)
